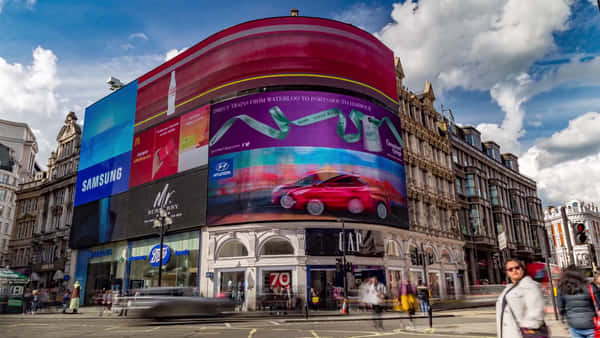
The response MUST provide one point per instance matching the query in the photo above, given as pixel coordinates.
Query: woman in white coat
(520, 305)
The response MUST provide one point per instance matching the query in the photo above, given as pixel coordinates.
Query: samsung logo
(102, 179)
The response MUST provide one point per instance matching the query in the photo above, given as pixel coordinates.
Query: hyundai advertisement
(299, 155)
(105, 154)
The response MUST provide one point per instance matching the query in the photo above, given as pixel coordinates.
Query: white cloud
(567, 164)
(364, 16)
(471, 43)
(41, 93)
(478, 45)
(127, 46)
(138, 36)
(174, 52)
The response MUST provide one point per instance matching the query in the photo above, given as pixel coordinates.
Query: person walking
(373, 294)
(575, 303)
(423, 297)
(74, 306)
(409, 302)
(65, 301)
(520, 307)
(35, 302)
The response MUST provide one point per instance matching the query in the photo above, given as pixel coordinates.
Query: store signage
(99, 253)
(280, 279)
(502, 241)
(329, 242)
(222, 169)
(353, 241)
(154, 256)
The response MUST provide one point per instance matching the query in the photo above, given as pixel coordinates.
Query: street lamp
(162, 222)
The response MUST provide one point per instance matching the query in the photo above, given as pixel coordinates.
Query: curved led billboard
(297, 155)
(263, 53)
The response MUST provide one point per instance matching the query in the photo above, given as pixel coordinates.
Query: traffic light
(580, 235)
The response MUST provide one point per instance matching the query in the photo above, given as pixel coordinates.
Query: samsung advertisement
(105, 154)
(300, 155)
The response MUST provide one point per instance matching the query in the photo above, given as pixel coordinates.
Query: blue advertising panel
(106, 143)
(104, 179)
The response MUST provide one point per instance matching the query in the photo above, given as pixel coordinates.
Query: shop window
(277, 246)
(233, 248)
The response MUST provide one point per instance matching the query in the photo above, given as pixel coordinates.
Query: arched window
(233, 248)
(277, 246)
(446, 258)
(392, 249)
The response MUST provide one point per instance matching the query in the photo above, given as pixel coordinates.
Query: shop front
(179, 264)
(326, 281)
(106, 270)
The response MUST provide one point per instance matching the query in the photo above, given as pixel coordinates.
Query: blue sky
(514, 69)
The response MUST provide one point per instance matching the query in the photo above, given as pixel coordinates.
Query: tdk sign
(222, 169)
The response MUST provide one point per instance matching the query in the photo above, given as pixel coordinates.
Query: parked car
(340, 192)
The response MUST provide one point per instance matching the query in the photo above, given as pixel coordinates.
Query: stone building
(39, 244)
(433, 211)
(495, 198)
(18, 148)
(584, 252)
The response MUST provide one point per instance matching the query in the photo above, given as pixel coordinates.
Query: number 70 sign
(280, 279)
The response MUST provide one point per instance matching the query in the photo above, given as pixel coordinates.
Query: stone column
(473, 266)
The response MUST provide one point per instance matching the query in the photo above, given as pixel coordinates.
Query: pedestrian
(596, 282)
(575, 303)
(408, 301)
(520, 307)
(65, 301)
(74, 306)
(423, 297)
(374, 295)
(35, 302)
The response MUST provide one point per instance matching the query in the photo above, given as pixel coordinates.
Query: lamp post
(162, 222)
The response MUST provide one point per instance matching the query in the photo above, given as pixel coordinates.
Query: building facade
(8, 188)
(39, 245)
(302, 162)
(19, 137)
(496, 201)
(18, 148)
(583, 251)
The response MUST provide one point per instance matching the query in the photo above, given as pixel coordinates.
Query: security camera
(114, 83)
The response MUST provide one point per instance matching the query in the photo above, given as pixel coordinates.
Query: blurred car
(174, 302)
(339, 192)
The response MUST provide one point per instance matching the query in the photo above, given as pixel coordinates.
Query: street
(463, 323)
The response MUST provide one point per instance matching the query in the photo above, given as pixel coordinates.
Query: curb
(351, 318)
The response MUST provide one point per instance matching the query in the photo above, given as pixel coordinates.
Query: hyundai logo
(222, 166)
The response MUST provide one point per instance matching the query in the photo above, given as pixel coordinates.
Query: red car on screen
(340, 192)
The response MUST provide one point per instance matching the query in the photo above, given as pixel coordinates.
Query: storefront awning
(11, 275)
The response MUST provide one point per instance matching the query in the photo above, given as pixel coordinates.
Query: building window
(233, 248)
(475, 221)
(494, 195)
(470, 185)
(277, 246)
(392, 249)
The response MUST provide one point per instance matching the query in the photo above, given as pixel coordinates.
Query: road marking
(153, 329)
(28, 324)
(111, 328)
(274, 322)
(251, 333)
(227, 324)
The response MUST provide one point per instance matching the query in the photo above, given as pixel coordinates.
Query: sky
(525, 73)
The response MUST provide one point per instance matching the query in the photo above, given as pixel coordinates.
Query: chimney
(294, 12)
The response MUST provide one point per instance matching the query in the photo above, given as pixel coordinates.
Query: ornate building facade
(39, 244)
(584, 252)
(494, 199)
(433, 211)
